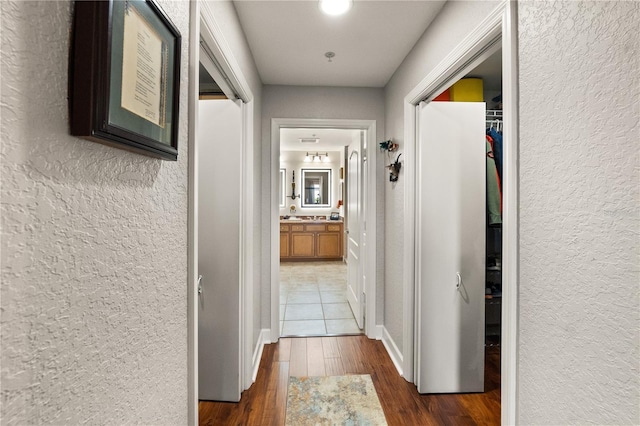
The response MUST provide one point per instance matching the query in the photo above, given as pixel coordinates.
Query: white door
(219, 205)
(451, 182)
(354, 203)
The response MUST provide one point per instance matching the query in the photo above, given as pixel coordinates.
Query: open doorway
(219, 265)
(458, 343)
(222, 349)
(318, 269)
(362, 285)
(495, 32)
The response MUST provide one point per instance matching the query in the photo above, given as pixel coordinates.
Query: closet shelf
(494, 113)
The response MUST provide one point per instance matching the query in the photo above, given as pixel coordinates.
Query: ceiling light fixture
(335, 7)
(329, 55)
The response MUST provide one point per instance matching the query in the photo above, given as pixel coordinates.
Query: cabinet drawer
(315, 228)
(297, 228)
(333, 228)
(284, 228)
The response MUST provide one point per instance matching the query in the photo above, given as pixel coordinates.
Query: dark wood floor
(265, 402)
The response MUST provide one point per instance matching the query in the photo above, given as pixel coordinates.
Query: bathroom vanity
(308, 239)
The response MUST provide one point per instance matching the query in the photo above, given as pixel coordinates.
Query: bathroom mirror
(283, 190)
(317, 188)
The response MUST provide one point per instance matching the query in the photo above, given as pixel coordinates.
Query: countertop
(323, 220)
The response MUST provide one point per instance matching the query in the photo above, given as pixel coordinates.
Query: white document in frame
(142, 69)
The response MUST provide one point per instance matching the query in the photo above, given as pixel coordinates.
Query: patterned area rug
(334, 400)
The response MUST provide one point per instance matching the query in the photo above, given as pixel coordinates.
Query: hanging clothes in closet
(494, 196)
(494, 167)
(497, 150)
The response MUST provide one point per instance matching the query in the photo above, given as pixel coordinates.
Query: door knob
(199, 284)
(459, 281)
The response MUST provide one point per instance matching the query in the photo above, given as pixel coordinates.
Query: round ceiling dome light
(335, 7)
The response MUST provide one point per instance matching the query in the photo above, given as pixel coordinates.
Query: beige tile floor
(313, 299)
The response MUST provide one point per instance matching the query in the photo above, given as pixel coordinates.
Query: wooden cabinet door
(302, 244)
(284, 244)
(329, 244)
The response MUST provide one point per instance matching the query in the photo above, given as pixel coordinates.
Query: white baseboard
(392, 350)
(263, 339)
(378, 332)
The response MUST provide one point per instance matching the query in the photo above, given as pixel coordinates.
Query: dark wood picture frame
(144, 120)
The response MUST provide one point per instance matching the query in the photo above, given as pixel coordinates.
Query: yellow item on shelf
(467, 90)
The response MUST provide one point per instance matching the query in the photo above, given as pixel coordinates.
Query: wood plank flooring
(265, 402)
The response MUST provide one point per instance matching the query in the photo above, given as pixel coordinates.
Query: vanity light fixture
(335, 7)
(317, 158)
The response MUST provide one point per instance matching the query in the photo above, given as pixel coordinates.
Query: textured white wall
(448, 29)
(94, 257)
(579, 212)
(326, 103)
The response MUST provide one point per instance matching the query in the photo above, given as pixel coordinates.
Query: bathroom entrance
(321, 267)
(316, 266)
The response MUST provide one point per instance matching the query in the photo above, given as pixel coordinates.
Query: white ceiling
(329, 139)
(288, 40)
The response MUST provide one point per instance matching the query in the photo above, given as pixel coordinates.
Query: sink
(294, 218)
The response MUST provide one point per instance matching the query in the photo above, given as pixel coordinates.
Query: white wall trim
(192, 220)
(510, 238)
(371, 216)
(379, 331)
(213, 36)
(246, 245)
(263, 339)
(499, 25)
(392, 349)
(464, 57)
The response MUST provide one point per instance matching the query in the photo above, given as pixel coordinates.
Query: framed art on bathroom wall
(124, 76)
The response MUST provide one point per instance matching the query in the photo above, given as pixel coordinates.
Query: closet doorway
(458, 246)
(318, 215)
(494, 33)
(220, 240)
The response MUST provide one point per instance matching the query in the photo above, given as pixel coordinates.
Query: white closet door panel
(354, 232)
(451, 247)
(219, 165)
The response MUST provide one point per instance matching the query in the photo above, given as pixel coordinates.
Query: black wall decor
(124, 76)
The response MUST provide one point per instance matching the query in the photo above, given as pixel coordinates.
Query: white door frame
(475, 48)
(203, 24)
(371, 225)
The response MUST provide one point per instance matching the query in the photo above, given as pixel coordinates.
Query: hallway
(265, 402)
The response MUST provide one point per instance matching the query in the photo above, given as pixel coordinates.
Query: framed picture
(124, 76)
